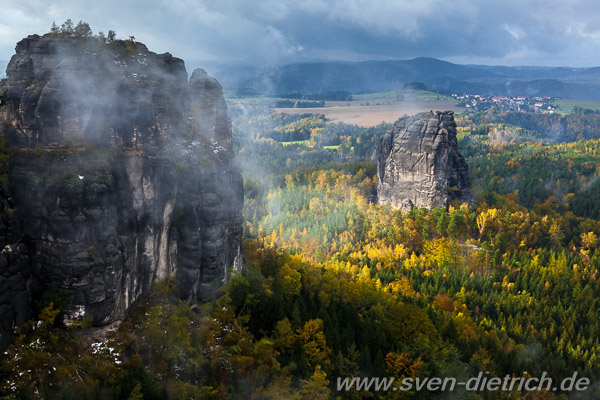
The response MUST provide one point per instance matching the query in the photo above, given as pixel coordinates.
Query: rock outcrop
(121, 174)
(419, 165)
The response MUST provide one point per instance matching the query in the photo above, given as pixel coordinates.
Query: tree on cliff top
(82, 29)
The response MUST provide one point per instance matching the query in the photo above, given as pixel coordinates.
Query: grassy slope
(566, 106)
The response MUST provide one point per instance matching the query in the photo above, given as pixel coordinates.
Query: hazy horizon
(207, 64)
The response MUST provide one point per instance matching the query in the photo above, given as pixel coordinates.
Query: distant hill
(3, 64)
(441, 76)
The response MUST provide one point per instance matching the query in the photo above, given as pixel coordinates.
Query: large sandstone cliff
(419, 165)
(120, 174)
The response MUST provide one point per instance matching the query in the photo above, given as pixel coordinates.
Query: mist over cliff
(120, 174)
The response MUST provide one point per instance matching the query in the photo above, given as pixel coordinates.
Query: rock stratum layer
(120, 174)
(419, 165)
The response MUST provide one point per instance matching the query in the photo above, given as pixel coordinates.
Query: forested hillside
(336, 286)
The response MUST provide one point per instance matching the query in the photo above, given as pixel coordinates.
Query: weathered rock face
(121, 174)
(418, 163)
(15, 269)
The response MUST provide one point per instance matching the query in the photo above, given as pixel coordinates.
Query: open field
(370, 115)
(372, 96)
(407, 94)
(370, 109)
(566, 106)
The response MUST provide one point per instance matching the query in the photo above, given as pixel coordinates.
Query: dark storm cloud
(548, 32)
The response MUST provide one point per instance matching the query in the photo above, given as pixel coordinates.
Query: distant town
(519, 103)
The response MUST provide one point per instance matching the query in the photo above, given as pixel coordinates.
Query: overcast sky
(503, 32)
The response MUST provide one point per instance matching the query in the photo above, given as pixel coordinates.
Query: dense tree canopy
(338, 286)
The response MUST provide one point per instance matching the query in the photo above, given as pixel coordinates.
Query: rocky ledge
(119, 173)
(419, 165)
